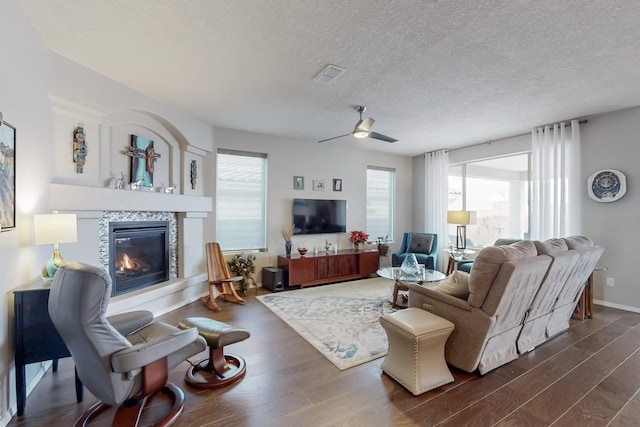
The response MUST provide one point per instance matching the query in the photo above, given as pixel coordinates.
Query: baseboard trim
(618, 306)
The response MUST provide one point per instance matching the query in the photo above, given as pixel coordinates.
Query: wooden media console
(323, 268)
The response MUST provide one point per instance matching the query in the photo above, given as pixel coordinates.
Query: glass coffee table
(401, 280)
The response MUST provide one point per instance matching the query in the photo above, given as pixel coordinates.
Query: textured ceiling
(433, 74)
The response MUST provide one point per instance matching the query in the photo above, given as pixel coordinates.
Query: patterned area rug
(340, 320)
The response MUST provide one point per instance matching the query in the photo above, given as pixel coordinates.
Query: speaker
(273, 278)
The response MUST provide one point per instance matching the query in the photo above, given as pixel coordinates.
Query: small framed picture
(7, 177)
(298, 182)
(337, 185)
(318, 185)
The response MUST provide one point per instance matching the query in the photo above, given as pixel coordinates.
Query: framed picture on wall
(7, 176)
(298, 182)
(318, 185)
(337, 185)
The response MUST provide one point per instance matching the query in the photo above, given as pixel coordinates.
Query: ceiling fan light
(361, 134)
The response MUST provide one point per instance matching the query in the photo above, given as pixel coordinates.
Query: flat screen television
(315, 216)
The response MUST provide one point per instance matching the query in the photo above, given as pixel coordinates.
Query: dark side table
(584, 308)
(35, 337)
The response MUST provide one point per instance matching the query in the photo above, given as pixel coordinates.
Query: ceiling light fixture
(361, 134)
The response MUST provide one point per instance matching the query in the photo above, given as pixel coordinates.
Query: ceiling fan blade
(381, 137)
(335, 137)
(364, 125)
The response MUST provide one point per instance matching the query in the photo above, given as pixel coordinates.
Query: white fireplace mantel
(67, 197)
(90, 203)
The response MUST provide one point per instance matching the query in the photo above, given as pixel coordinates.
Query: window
(380, 201)
(498, 191)
(241, 200)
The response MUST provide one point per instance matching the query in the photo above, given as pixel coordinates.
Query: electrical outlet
(610, 282)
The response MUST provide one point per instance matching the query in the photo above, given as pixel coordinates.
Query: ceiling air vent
(329, 74)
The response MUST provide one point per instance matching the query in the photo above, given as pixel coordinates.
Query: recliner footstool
(416, 349)
(221, 369)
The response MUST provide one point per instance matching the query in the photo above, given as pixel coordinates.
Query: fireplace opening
(138, 254)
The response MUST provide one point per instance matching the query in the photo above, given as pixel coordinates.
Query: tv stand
(332, 267)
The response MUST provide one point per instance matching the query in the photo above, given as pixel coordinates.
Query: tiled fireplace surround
(96, 207)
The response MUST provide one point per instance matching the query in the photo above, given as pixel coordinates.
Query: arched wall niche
(169, 143)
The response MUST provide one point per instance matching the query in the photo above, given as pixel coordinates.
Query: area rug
(339, 320)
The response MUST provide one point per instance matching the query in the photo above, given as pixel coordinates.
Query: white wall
(610, 141)
(24, 100)
(338, 159)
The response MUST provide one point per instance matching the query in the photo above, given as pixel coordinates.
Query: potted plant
(358, 237)
(243, 265)
(383, 245)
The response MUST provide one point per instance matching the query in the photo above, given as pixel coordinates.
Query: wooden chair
(220, 281)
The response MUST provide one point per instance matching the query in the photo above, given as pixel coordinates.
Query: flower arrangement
(358, 237)
(243, 265)
(287, 233)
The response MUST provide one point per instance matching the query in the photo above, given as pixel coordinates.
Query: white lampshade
(461, 217)
(55, 228)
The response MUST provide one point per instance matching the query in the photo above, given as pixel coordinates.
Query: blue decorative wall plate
(607, 185)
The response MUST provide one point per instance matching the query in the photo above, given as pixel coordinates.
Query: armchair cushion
(154, 342)
(129, 322)
(421, 243)
(456, 284)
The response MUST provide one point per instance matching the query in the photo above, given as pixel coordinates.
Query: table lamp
(54, 229)
(462, 219)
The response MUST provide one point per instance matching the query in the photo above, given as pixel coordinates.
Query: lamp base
(50, 268)
(461, 238)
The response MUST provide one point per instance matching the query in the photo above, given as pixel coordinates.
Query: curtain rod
(580, 122)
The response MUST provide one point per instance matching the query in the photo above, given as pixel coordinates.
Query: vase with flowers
(287, 234)
(358, 238)
(243, 265)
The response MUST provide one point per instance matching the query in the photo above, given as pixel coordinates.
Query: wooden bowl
(302, 251)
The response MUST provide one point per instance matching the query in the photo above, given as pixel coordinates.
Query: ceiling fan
(363, 129)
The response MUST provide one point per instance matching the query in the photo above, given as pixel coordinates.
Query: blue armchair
(423, 245)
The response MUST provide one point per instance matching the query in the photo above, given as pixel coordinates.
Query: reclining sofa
(519, 296)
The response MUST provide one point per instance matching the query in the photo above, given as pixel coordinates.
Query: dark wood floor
(589, 375)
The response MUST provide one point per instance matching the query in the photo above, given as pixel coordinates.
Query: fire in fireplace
(138, 254)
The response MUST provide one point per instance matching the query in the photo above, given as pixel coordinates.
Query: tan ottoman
(416, 349)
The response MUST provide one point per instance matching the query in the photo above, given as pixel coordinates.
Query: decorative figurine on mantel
(120, 182)
(79, 149)
(169, 190)
(136, 184)
(327, 245)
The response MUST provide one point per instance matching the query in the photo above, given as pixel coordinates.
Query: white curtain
(555, 178)
(436, 189)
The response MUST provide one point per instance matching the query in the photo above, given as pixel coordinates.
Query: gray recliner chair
(125, 363)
